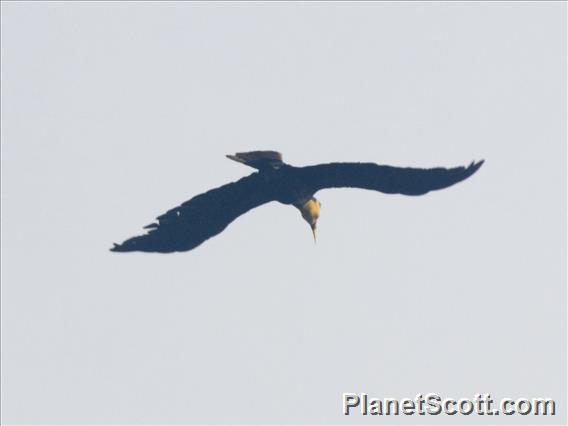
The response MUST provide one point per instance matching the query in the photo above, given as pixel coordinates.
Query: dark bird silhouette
(190, 224)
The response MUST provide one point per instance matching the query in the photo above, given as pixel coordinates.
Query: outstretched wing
(190, 224)
(387, 179)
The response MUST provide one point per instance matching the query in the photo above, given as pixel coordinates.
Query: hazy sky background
(112, 113)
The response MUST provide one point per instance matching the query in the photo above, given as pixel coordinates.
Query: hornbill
(206, 215)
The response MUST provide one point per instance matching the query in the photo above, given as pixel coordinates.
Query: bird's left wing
(190, 224)
(387, 179)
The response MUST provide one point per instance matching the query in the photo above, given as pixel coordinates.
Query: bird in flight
(187, 226)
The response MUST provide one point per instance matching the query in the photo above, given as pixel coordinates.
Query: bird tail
(259, 159)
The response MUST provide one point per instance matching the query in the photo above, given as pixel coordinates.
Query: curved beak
(314, 232)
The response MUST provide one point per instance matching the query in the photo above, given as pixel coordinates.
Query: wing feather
(188, 225)
(387, 179)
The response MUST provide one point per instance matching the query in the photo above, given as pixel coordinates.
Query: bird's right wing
(190, 224)
(387, 179)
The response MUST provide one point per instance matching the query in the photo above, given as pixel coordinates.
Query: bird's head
(310, 212)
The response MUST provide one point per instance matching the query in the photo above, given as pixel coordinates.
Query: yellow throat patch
(311, 211)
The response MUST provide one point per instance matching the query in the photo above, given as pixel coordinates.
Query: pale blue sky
(113, 113)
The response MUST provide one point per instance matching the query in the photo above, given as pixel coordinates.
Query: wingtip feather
(475, 166)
